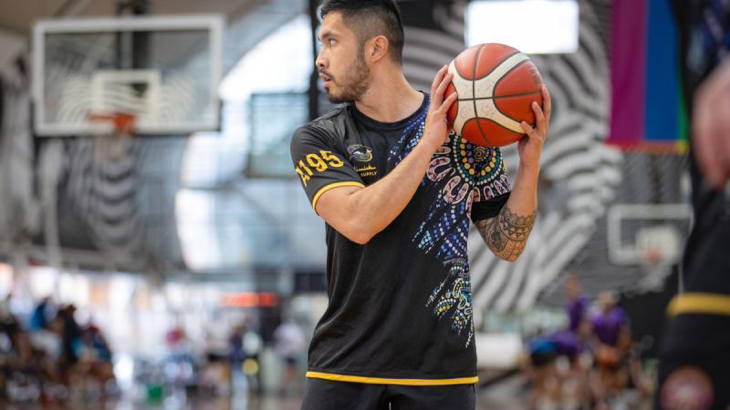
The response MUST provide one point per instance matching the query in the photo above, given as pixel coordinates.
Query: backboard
(164, 71)
(647, 233)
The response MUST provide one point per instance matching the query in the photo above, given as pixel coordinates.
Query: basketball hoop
(658, 248)
(655, 263)
(653, 256)
(122, 124)
(113, 135)
(653, 260)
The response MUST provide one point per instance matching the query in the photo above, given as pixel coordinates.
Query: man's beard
(353, 85)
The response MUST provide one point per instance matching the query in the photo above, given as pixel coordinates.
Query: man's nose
(320, 62)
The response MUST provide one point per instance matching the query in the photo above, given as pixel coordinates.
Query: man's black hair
(370, 18)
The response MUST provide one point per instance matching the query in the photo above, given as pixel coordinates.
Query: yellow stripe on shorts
(398, 382)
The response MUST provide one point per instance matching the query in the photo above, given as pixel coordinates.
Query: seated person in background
(542, 353)
(612, 344)
(577, 305)
(570, 342)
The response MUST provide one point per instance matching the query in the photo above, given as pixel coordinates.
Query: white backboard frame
(212, 22)
(621, 254)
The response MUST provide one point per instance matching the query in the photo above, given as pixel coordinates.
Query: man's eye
(332, 42)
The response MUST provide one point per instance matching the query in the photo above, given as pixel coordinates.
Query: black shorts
(330, 395)
(694, 366)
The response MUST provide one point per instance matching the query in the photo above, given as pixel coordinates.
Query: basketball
(495, 86)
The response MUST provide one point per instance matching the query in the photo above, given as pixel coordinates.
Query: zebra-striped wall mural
(18, 212)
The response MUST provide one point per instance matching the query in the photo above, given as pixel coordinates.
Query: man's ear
(377, 48)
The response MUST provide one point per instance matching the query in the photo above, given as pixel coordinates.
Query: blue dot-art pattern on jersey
(464, 174)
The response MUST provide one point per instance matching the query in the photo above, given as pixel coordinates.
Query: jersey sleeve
(320, 165)
(493, 186)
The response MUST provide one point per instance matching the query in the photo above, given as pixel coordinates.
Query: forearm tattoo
(506, 235)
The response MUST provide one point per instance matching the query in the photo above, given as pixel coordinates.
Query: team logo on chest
(360, 153)
(361, 156)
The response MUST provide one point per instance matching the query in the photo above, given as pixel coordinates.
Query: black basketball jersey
(400, 308)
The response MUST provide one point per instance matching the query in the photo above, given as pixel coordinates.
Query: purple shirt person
(607, 325)
(577, 304)
(568, 342)
(576, 312)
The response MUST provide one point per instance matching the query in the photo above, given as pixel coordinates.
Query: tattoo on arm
(506, 235)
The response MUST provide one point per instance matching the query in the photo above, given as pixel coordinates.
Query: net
(113, 137)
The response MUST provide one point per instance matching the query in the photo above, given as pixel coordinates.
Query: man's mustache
(327, 73)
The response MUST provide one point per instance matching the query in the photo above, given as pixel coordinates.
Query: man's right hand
(711, 126)
(437, 128)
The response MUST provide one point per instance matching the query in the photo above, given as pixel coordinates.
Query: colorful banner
(647, 109)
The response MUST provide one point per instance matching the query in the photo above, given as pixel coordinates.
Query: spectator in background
(611, 322)
(290, 345)
(9, 325)
(42, 314)
(235, 343)
(555, 357)
(9, 328)
(96, 362)
(542, 353)
(180, 363)
(611, 349)
(95, 341)
(49, 339)
(570, 342)
(71, 335)
(253, 345)
(577, 305)
(245, 349)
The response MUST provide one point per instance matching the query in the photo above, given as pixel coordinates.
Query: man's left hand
(530, 147)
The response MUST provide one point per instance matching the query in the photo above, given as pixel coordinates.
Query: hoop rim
(125, 124)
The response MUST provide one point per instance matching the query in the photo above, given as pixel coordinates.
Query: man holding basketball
(395, 190)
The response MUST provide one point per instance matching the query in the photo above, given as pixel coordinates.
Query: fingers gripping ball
(495, 86)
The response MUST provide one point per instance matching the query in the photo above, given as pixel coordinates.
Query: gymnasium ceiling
(248, 21)
(18, 15)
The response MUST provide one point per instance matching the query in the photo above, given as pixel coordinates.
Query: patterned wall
(17, 211)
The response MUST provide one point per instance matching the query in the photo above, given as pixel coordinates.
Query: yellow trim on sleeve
(700, 303)
(399, 382)
(332, 186)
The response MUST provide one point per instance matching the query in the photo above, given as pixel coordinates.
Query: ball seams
(491, 120)
(496, 66)
(516, 66)
(496, 85)
(499, 96)
(475, 65)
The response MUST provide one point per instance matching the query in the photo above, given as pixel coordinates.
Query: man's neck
(389, 98)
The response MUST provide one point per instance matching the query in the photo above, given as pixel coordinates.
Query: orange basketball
(495, 86)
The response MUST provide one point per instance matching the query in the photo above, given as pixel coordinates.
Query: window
(531, 26)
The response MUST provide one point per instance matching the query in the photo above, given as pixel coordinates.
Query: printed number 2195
(317, 163)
